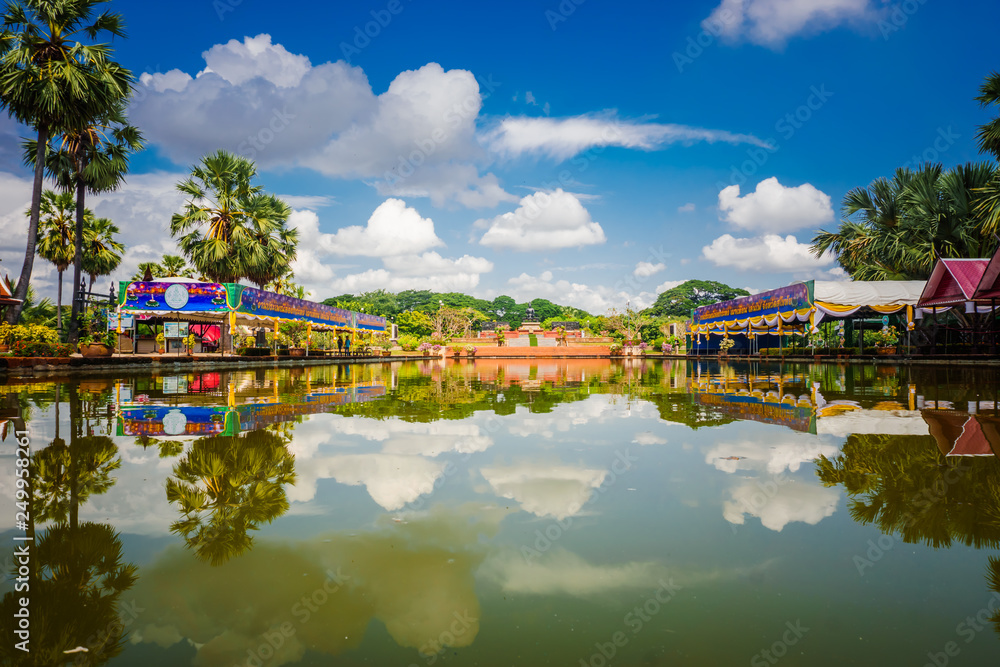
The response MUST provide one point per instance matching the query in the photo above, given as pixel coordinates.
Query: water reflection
(388, 512)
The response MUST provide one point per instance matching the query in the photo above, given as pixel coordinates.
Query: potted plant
(616, 349)
(189, 342)
(643, 347)
(386, 347)
(725, 345)
(436, 350)
(501, 337)
(886, 340)
(561, 336)
(456, 351)
(425, 348)
(160, 341)
(94, 345)
(470, 350)
(294, 333)
(666, 347)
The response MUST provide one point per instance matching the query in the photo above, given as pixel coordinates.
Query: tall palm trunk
(21, 290)
(74, 322)
(59, 302)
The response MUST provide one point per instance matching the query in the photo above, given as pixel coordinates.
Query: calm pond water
(509, 513)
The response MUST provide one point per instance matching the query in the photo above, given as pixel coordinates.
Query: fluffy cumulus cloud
(391, 480)
(558, 491)
(562, 138)
(774, 208)
(770, 253)
(774, 456)
(393, 229)
(647, 269)
(398, 235)
(772, 22)
(543, 221)
(256, 98)
(780, 502)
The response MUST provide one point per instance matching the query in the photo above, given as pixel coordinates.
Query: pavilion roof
(952, 281)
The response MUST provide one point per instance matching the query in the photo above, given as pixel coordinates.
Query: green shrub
(408, 343)
(24, 348)
(254, 352)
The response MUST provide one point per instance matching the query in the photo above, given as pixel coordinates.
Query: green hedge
(254, 352)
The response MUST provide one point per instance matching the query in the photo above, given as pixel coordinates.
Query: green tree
(229, 228)
(55, 238)
(988, 136)
(175, 266)
(896, 229)
(155, 270)
(51, 81)
(93, 157)
(227, 486)
(102, 252)
(681, 300)
(414, 323)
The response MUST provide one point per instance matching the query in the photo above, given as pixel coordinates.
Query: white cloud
(789, 501)
(648, 438)
(543, 221)
(256, 98)
(561, 572)
(431, 263)
(769, 253)
(773, 456)
(670, 284)
(647, 269)
(775, 208)
(393, 229)
(558, 491)
(562, 138)
(771, 22)
(686, 208)
(391, 480)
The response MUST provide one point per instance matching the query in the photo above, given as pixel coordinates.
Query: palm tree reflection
(227, 486)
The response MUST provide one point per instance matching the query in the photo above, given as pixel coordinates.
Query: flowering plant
(726, 344)
(887, 337)
(436, 349)
(424, 347)
(470, 350)
(667, 348)
(643, 346)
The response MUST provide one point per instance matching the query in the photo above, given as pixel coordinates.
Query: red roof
(952, 281)
(988, 287)
(6, 298)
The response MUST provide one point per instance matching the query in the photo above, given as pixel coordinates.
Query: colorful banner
(263, 304)
(751, 408)
(784, 299)
(161, 420)
(369, 322)
(174, 297)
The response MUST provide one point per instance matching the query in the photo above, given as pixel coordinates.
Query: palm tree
(174, 265)
(155, 270)
(93, 157)
(225, 487)
(55, 237)
(988, 137)
(896, 230)
(102, 253)
(230, 229)
(51, 81)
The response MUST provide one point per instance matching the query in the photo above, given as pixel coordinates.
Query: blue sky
(578, 151)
